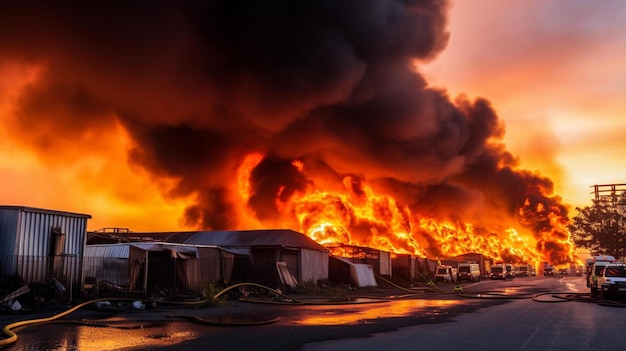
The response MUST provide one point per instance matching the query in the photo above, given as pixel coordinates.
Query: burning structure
(311, 116)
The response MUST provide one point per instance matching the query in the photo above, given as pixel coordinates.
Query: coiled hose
(580, 297)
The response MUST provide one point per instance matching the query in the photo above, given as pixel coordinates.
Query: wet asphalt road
(554, 324)
(432, 321)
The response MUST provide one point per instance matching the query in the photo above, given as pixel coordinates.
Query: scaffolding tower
(609, 191)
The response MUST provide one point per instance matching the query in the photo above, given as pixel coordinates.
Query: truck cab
(510, 271)
(498, 271)
(523, 270)
(548, 270)
(612, 282)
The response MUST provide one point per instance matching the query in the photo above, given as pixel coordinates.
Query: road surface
(521, 325)
(502, 317)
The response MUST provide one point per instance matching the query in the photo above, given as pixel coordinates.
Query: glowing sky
(554, 72)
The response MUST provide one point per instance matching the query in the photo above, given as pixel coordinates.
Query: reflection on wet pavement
(364, 314)
(122, 332)
(89, 338)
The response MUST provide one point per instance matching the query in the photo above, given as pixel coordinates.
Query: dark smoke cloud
(200, 84)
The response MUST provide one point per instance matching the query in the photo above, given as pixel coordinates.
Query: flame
(243, 173)
(356, 214)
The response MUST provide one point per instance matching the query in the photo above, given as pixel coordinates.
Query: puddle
(87, 338)
(363, 314)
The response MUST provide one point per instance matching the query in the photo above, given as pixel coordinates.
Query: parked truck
(592, 271)
(597, 270)
(510, 271)
(548, 270)
(498, 271)
(446, 274)
(469, 271)
(524, 270)
(612, 281)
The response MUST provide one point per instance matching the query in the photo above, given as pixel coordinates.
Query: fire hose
(581, 297)
(556, 297)
(12, 337)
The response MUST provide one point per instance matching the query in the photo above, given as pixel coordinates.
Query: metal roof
(238, 238)
(284, 238)
(122, 250)
(44, 211)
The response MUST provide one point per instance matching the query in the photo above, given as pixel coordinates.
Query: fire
(357, 214)
(243, 173)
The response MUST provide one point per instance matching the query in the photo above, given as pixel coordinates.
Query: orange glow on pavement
(361, 314)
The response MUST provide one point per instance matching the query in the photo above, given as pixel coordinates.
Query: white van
(596, 272)
(469, 271)
(589, 271)
(498, 271)
(612, 282)
(446, 274)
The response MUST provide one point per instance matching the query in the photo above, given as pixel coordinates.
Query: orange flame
(360, 216)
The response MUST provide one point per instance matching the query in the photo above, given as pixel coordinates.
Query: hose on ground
(579, 297)
(492, 295)
(561, 297)
(12, 337)
(405, 289)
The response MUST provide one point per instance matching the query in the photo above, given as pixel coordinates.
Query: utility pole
(621, 209)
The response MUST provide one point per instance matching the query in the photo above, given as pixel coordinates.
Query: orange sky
(553, 71)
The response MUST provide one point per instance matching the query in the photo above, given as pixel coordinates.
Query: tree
(599, 228)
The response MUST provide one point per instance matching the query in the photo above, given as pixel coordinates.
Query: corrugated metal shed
(307, 260)
(142, 266)
(38, 244)
(379, 259)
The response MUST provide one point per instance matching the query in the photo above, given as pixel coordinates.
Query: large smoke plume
(330, 83)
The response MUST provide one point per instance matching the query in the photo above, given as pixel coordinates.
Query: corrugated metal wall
(112, 262)
(28, 240)
(8, 237)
